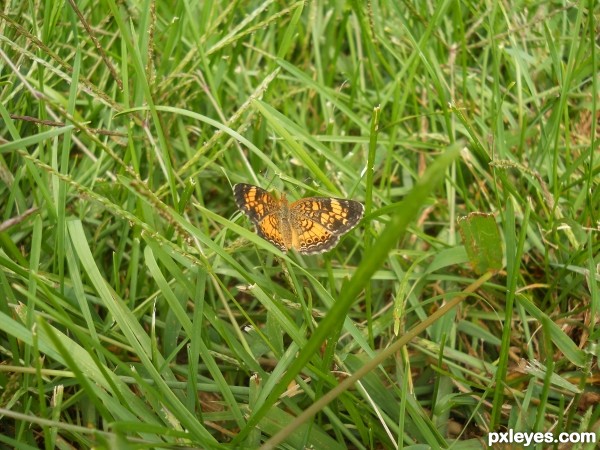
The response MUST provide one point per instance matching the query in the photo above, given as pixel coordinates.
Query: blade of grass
(364, 271)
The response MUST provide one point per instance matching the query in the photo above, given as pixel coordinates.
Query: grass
(138, 308)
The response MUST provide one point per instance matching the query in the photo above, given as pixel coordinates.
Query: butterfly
(310, 225)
